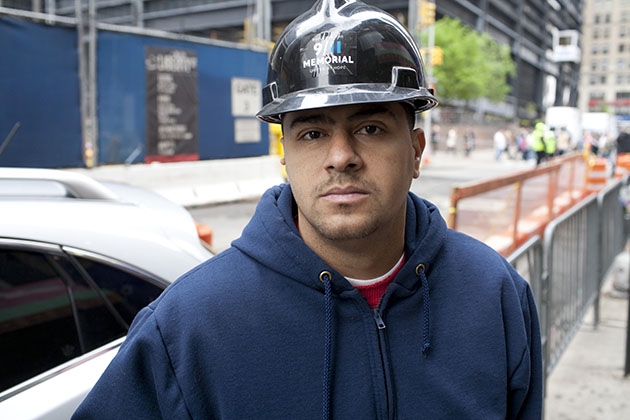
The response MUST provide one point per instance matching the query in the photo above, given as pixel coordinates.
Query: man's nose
(342, 153)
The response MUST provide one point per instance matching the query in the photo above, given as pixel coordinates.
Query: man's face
(350, 168)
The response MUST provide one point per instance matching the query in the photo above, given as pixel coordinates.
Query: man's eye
(312, 135)
(370, 129)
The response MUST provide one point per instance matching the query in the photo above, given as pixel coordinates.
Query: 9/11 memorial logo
(329, 52)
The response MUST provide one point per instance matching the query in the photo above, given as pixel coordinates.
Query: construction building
(531, 28)
(605, 70)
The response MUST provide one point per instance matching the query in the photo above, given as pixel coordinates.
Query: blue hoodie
(267, 330)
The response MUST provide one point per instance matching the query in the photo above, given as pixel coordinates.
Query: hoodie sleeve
(140, 382)
(525, 387)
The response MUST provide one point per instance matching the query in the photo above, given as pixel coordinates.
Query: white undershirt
(369, 282)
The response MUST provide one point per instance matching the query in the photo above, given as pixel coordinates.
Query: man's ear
(418, 142)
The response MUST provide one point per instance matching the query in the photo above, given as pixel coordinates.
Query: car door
(58, 304)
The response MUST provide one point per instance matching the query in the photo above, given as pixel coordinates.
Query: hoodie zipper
(380, 329)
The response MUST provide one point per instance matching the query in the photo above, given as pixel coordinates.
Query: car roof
(118, 221)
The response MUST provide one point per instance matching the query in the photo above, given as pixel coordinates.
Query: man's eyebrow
(371, 111)
(360, 114)
(310, 118)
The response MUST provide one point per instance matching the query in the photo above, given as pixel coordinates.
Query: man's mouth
(344, 195)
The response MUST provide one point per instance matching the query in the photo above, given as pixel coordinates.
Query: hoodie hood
(272, 239)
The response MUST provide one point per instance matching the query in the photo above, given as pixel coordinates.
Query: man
(623, 141)
(346, 296)
(538, 145)
(500, 144)
(435, 138)
(550, 142)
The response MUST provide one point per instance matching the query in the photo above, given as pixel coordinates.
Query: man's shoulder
(220, 275)
(220, 264)
(468, 247)
(480, 262)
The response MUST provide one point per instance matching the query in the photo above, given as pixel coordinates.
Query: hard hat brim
(421, 99)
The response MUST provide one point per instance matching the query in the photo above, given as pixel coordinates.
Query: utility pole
(262, 21)
(87, 79)
(51, 7)
(92, 82)
(430, 47)
(422, 18)
(137, 9)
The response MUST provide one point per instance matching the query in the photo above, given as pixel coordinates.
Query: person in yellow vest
(550, 142)
(275, 144)
(538, 144)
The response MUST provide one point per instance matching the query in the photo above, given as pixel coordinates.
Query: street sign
(246, 97)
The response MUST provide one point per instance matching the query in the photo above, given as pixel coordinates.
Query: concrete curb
(199, 183)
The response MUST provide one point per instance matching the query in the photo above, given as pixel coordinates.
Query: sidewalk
(588, 381)
(197, 183)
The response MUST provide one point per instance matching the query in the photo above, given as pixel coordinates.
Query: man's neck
(363, 258)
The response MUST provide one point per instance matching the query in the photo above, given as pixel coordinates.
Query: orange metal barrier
(622, 168)
(597, 174)
(505, 212)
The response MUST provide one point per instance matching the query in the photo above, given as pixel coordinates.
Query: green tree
(474, 65)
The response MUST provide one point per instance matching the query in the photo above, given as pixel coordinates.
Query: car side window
(55, 307)
(97, 320)
(37, 326)
(107, 299)
(127, 292)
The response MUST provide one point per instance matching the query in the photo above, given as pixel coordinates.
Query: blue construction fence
(40, 90)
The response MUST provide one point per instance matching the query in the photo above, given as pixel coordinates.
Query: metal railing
(613, 236)
(571, 261)
(528, 261)
(566, 268)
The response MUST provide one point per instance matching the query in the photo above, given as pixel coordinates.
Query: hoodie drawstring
(426, 315)
(326, 278)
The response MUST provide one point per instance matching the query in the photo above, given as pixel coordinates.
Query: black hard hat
(343, 52)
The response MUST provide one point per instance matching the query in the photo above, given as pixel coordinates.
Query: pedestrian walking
(500, 144)
(538, 143)
(451, 141)
(564, 142)
(604, 145)
(522, 143)
(623, 141)
(595, 142)
(346, 296)
(550, 142)
(469, 142)
(435, 138)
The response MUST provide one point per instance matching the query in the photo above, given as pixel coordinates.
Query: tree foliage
(474, 65)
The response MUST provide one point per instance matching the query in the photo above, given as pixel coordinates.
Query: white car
(78, 260)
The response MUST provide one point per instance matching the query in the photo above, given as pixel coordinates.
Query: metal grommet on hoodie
(324, 273)
(420, 267)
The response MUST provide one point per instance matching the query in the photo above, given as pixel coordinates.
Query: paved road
(436, 178)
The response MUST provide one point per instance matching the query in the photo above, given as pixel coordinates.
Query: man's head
(346, 80)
